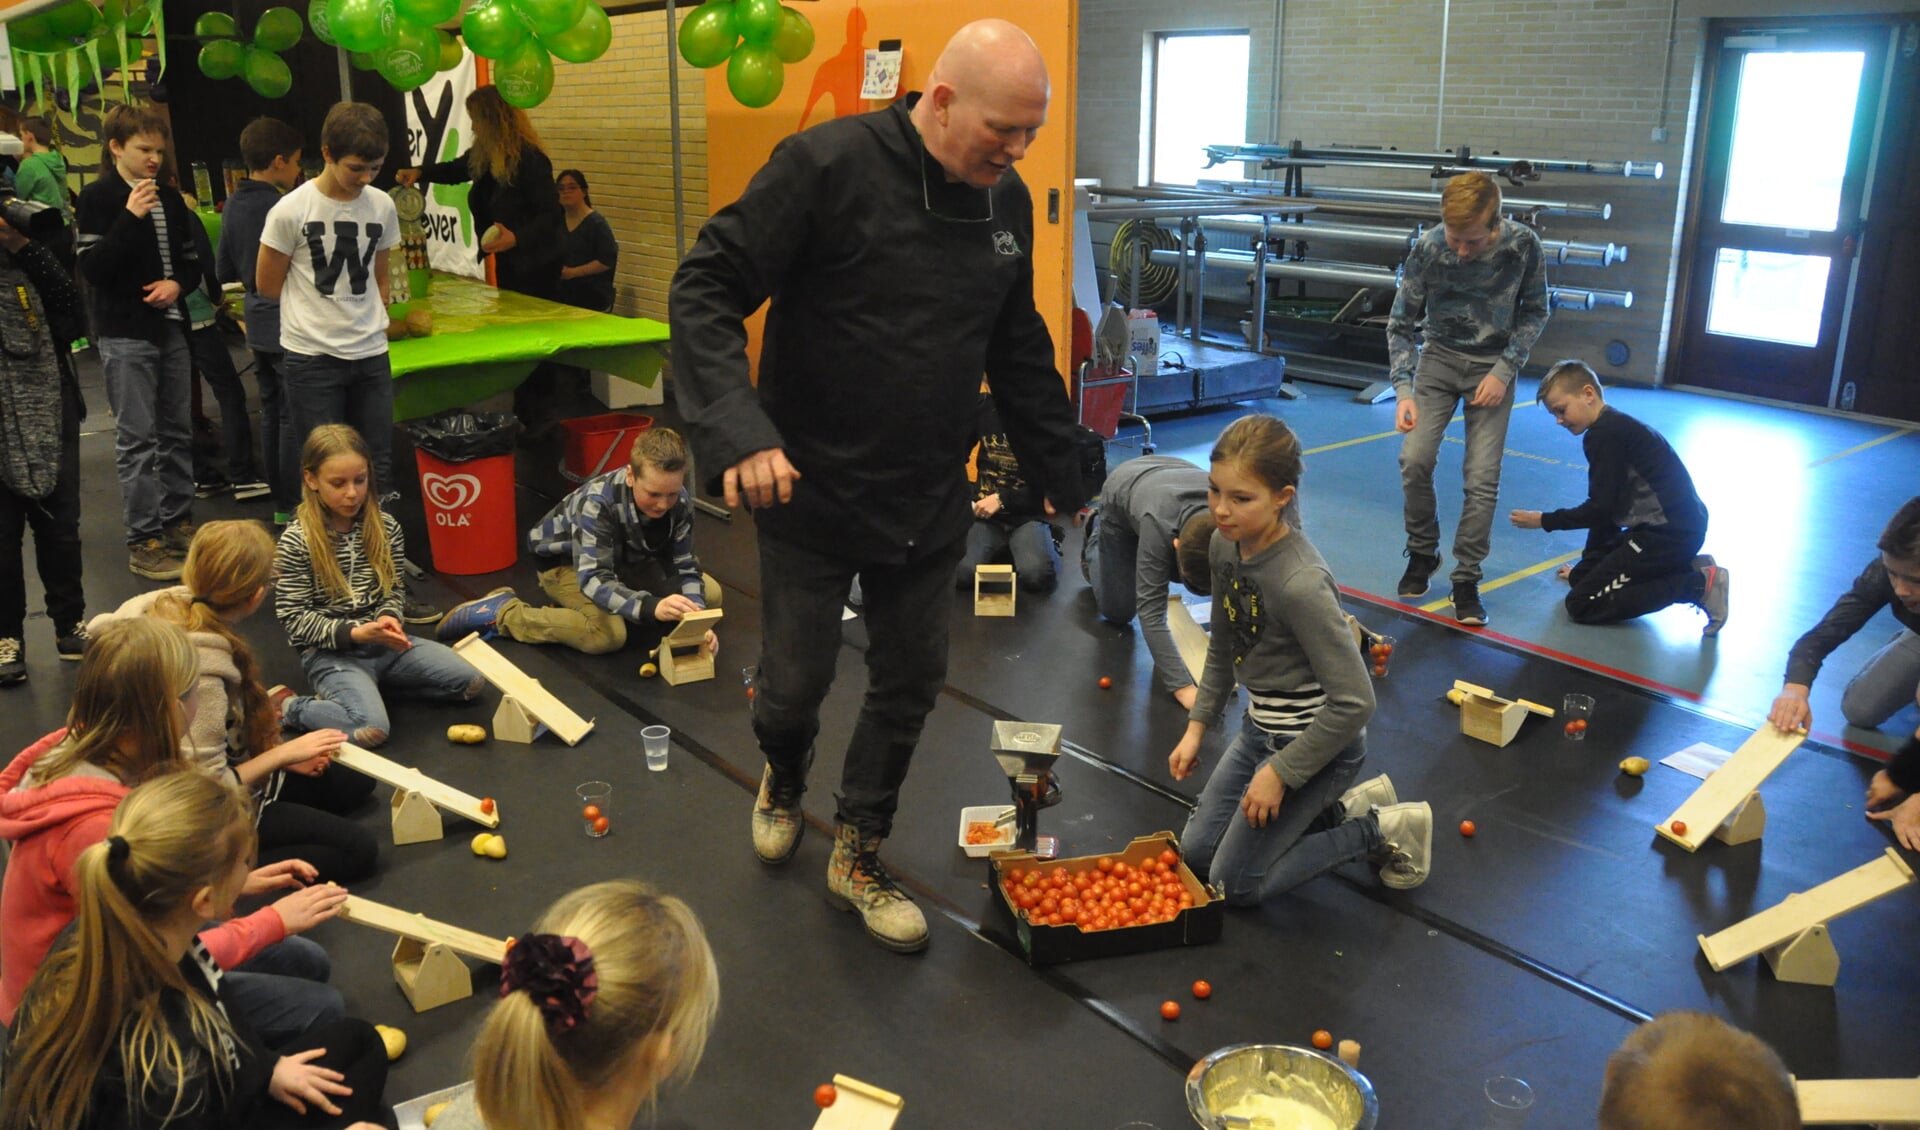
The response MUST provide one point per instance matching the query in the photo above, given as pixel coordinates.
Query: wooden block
(412, 780)
(683, 654)
(1848, 1102)
(422, 929)
(1465, 687)
(994, 592)
(512, 723)
(1746, 824)
(861, 1106)
(1809, 959)
(415, 819)
(1729, 786)
(510, 680)
(1799, 913)
(429, 974)
(1188, 636)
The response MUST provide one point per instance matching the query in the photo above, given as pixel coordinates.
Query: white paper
(882, 79)
(1201, 611)
(1698, 760)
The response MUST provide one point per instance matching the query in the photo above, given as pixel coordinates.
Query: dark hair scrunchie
(118, 849)
(557, 972)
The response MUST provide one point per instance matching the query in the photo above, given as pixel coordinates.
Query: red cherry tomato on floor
(1202, 990)
(1169, 1010)
(1323, 1039)
(1106, 683)
(1467, 828)
(825, 1095)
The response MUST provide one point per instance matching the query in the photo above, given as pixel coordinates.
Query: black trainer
(1415, 582)
(1466, 604)
(13, 663)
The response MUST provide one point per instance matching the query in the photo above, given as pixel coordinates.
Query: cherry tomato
(486, 806)
(1106, 683)
(600, 825)
(590, 812)
(1379, 669)
(1580, 724)
(1202, 990)
(1467, 828)
(1572, 728)
(1679, 827)
(1323, 1039)
(1170, 857)
(825, 1095)
(1169, 1010)
(1105, 864)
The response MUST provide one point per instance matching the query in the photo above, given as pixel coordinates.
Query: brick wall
(609, 119)
(1574, 79)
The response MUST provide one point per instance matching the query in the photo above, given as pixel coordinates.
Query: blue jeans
(330, 390)
(1885, 684)
(1036, 560)
(1442, 383)
(283, 990)
(277, 452)
(150, 389)
(908, 608)
(1307, 838)
(346, 685)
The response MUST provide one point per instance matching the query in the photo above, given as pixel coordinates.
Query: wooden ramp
(533, 698)
(412, 780)
(1847, 1102)
(1188, 636)
(420, 928)
(1799, 914)
(1730, 788)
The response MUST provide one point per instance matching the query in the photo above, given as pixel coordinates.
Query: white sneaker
(1368, 794)
(1408, 855)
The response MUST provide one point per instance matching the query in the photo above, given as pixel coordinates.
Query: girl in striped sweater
(1277, 811)
(339, 598)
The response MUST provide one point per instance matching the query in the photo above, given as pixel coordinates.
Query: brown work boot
(856, 880)
(777, 819)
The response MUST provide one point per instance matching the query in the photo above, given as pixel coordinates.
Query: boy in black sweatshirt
(1644, 523)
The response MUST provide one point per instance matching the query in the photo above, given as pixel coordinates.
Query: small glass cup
(1380, 654)
(1509, 1102)
(655, 739)
(1576, 710)
(748, 677)
(596, 807)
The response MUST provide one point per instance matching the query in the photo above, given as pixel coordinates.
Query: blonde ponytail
(131, 678)
(227, 564)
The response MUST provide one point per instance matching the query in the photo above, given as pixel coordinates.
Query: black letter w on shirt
(346, 253)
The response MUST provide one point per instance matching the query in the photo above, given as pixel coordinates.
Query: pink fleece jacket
(49, 826)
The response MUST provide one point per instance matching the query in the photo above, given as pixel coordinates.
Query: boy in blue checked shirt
(603, 553)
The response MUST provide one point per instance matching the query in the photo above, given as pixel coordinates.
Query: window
(1198, 93)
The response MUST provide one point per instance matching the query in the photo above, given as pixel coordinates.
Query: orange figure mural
(841, 75)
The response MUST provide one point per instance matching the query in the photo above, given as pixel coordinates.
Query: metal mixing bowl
(1232, 1073)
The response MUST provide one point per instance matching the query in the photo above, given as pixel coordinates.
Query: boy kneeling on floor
(603, 552)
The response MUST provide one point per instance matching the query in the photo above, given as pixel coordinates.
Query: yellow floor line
(1859, 447)
(1390, 435)
(1501, 582)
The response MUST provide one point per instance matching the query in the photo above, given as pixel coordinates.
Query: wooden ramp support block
(861, 1106)
(993, 590)
(512, 723)
(684, 657)
(1793, 934)
(1485, 716)
(1188, 636)
(1724, 797)
(426, 961)
(1859, 1102)
(416, 796)
(532, 697)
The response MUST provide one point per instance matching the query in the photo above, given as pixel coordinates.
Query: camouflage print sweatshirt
(1493, 306)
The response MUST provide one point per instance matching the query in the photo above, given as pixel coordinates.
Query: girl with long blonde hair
(134, 696)
(128, 1020)
(339, 598)
(236, 730)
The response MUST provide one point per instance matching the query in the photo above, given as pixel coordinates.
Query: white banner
(438, 130)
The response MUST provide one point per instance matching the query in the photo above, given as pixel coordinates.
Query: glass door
(1789, 141)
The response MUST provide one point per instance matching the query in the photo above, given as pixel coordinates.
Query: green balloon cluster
(395, 39)
(524, 37)
(223, 56)
(75, 42)
(756, 39)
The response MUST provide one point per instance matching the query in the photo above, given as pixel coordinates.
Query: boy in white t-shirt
(323, 257)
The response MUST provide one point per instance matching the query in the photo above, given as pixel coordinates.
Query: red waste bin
(471, 523)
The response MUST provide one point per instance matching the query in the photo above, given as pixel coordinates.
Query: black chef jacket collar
(950, 200)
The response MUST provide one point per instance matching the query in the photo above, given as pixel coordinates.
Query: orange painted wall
(827, 84)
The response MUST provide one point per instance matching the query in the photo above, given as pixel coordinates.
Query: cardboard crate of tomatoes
(1137, 899)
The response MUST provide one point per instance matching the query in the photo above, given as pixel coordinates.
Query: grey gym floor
(1532, 951)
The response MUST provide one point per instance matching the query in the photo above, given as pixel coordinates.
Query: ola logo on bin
(451, 492)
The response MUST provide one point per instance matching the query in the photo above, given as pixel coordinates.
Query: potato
(394, 1039)
(420, 323)
(648, 670)
(428, 1116)
(479, 843)
(467, 733)
(1456, 696)
(1635, 766)
(496, 847)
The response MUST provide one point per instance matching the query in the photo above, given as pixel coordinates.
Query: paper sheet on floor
(1698, 760)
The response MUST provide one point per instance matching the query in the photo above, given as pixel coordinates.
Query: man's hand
(763, 478)
(144, 196)
(675, 607)
(1406, 414)
(1261, 801)
(162, 294)
(1791, 711)
(987, 507)
(1526, 519)
(406, 178)
(1492, 391)
(1905, 818)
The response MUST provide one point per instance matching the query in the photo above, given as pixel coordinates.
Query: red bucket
(472, 526)
(595, 444)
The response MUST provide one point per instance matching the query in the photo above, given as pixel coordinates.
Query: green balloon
(412, 58)
(428, 12)
(363, 60)
(492, 30)
(267, 73)
(215, 25)
(709, 34)
(73, 20)
(362, 25)
(278, 29)
(317, 19)
(794, 41)
(525, 78)
(755, 76)
(107, 45)
(450, 51)
(759, 20)
(585, 41)
(548, 18)
(32, 34)
(222, 58)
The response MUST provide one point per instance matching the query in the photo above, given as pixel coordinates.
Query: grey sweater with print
(1493, 306)
(1278, 630)
(1151, 497)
